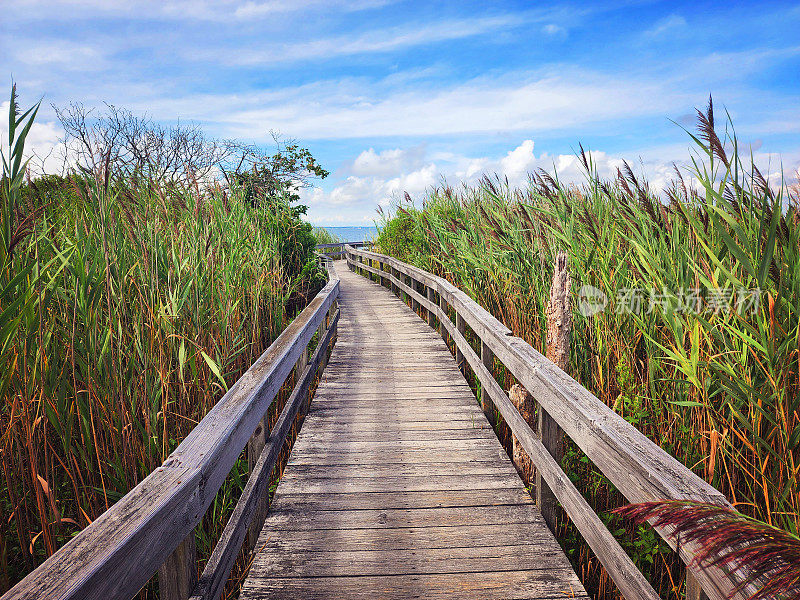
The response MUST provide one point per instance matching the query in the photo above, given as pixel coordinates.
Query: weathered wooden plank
(371, 414)
(409, 538)
(401, 434)
(461, 403)
(379, 471)
(387, 518)
(429, 455)
(404, 499)
(379, 426)
(399, 459)
(427, 561)
(446, 586)
(325, 391)
(309, 444)
(222, 559)
(178, 575)
(398, 483)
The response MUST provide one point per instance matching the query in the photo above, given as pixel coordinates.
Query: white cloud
(203, 10)
(62, 54)
(43, 145)
(387, 162)
(667, 25)
(554, 30)
(375, 41)
(354, 199)
(414, 183)
(533, 102)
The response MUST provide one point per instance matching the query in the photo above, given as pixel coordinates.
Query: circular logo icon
(591, 300)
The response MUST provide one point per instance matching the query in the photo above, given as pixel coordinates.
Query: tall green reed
(127, 308)
(718, 388)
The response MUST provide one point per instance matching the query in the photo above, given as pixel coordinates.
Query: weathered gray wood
(178, 575)
(694, 591)
(401, 562)
(410, 538)
(559, 327)
(419, 499)
(396, 469)
(525, 405)
(461, 327)
(431, 315)
(635, 465)
(255, 446)
(487, 359)
(619, 566)
(442, 311)
(222, 559)
(550, 584)
(121, 550)
(388, 518)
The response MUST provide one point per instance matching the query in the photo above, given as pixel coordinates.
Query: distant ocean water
(353, 234)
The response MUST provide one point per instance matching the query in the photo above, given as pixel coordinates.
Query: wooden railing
(638, 468)
(336, 250)
(152, 527)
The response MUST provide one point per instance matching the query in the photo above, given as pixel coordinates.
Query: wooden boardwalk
(397, 487)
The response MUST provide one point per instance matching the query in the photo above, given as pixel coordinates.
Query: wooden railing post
(694, 590)
(299, 367)
(526, 406)
(331, 313)
(443, 308)
(414, 286)
(178, 575)
(559, 325)
(431, 314)
(321, 331)
(461, 326)
(487, 358)
(255, 446)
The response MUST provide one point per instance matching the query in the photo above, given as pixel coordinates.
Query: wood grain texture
(638, 468)
(397, 486)
(246, 512)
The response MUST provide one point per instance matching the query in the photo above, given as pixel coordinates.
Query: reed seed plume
(755, 554)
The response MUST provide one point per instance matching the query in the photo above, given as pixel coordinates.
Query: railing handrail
(343, 244)
(121, 550)
(636, 466)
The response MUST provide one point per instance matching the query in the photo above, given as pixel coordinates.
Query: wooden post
(461, 326)
(178, 575)
(323, 328)
(443, 307)
(694, 590)
(299, 367)
(331, 312)
(431, 314)
(526, 406)
(487, 358)
(414, 286)
(559, 325)
(255, 446)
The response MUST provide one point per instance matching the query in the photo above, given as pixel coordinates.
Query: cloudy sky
(397, 96)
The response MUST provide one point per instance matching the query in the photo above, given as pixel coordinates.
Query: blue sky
(398, 96)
